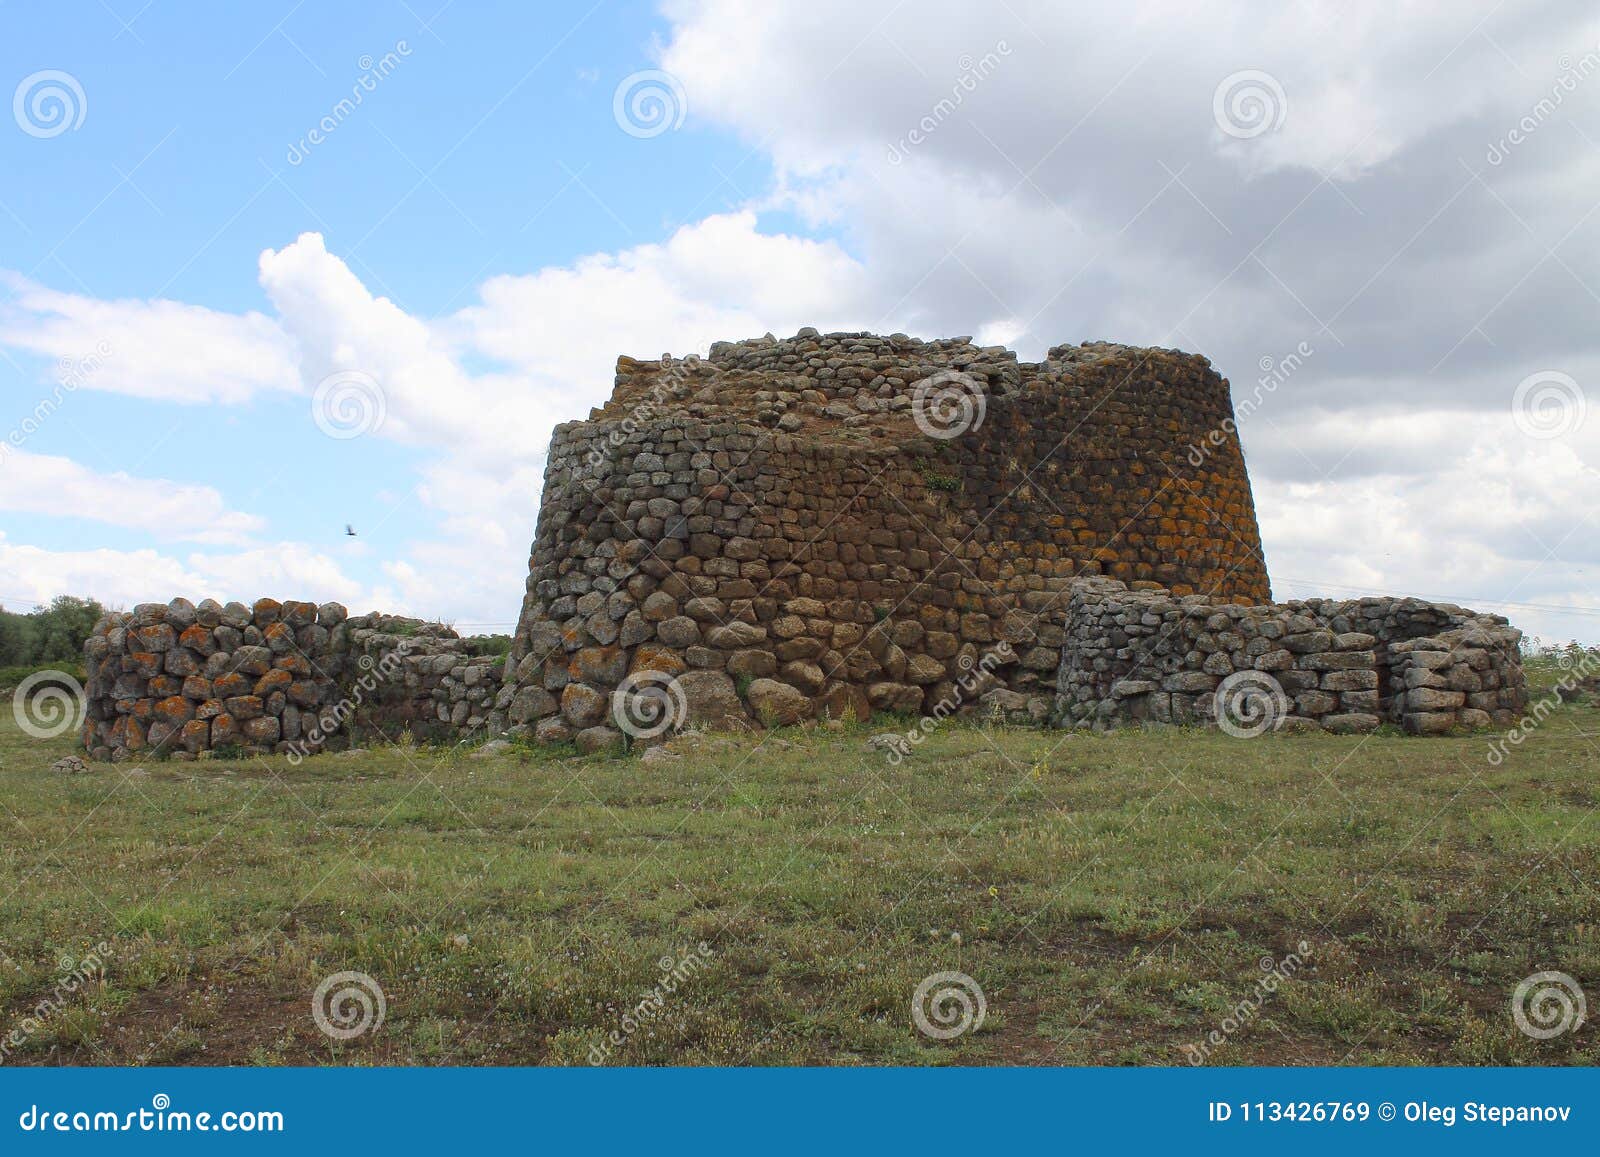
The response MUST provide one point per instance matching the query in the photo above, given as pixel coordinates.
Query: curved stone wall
(840, 524)
(1341, 665)
(832, 526)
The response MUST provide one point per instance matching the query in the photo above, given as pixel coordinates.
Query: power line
(1589, 611)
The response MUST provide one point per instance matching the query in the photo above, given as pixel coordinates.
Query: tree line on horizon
(46, 635)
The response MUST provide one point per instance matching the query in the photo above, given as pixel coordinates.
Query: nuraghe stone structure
(180, 679)
(844, 524)
(1351, 665)
(832, 526)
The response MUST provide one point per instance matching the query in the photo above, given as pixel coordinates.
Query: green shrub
(937, 479)
(12, 677)
(47, 636)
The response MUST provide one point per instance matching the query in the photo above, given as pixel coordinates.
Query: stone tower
(832, 525)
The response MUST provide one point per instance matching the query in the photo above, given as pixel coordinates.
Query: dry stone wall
(833, 525)
(1348, 666)
(181, 679)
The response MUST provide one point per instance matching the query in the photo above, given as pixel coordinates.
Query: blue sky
(482, 235)
(489, 147)
(472, 143)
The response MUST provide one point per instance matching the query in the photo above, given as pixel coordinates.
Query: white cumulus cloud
(51, 485)
(160, 350)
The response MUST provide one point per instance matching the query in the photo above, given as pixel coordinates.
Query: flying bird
(349, 530)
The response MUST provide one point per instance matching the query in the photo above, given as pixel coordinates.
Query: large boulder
(530, 703)
(778, 704)
(592, 739)
(844, 701)
(582, 705)
(710, 700)
(897, 697)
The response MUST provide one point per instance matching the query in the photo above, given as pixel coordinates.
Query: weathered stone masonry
(774, 525)
(179, 678)
(829, 526)
(1352, 665)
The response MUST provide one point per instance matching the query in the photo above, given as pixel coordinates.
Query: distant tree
(63, 626)
(47, 634)
(14, 644)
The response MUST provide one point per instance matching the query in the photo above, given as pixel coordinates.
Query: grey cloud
(1082, 189)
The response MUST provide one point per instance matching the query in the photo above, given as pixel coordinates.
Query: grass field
(1116, 899)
